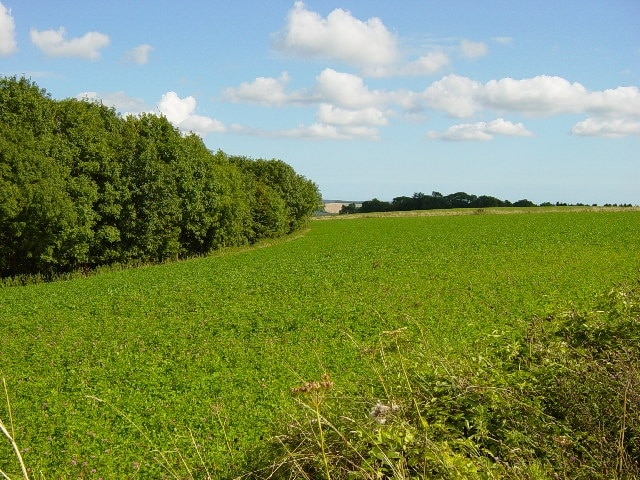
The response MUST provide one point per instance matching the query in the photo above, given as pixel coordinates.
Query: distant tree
(375, 205)
(434, 201)
(524, 203)
(460, 200)
(348, 209)
(485, 201)
(405, 204)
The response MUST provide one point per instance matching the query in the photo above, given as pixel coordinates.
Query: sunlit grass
(190, 346)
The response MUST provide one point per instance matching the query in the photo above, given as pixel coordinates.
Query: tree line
(422, 201)
(435, 201)
(81, 187)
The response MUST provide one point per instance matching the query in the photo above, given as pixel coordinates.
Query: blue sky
(367, 98)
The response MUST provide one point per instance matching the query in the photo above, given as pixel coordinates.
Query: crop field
(194, 361)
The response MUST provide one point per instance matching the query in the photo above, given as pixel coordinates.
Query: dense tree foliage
(421, 201)
(81, 186)
(281, 199)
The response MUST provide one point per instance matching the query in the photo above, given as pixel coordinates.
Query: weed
(562, 402)
(183, 469)
(11, 436)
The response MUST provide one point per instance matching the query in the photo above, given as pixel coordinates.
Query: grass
(562, 401)
(208, 349)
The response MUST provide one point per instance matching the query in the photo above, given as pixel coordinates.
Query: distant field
(213, 345)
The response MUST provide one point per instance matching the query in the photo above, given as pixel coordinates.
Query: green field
(212, 346)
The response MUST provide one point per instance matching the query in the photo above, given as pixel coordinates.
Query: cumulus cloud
(123, 103)
(339, 36)
(315, 131)
(481, 131)
(321, 131)
(263, 90)
(176, 109)
(347, 107)
(608, 128)
(8, 43)
(617, 101)
(179, 111)
(139, 54)
(426, 65)
(344, 99)
(473, 49)
(267, 91)
(537, 97)
(541, 95)
(454, 95)
(330, 114)
(54, 44)
(347, 90)
(368, 44)
(201, 125)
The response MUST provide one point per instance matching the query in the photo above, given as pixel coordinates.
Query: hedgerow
(82, 187)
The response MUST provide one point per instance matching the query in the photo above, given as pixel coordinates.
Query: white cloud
(368, 45)
(342, 89)
(504, 127)
(332, 115)
(8, 43)
(119, 100)
(176, 109)
(473, 49)
(345, 100)
(202, 125)
(139, 54)
(263, 90)
(321, 131)
(347, 90)
(267, 91)
(615, 111)
(541, 95)
(609, 128)
(413, 103)
(481, 131)
(179, 111)
(454, 95)
(619, 101)
(340, 36)
(426, 65)
(315, 131)
(54, 44)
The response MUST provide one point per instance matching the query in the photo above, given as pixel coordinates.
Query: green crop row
(186, 367)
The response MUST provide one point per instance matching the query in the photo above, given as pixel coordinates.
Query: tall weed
(561, 402)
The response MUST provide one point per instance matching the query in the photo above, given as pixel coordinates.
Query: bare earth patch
(333, 207)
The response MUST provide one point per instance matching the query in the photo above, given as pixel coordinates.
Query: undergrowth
(561, 402)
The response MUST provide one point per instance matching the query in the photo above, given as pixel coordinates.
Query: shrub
(561, 402)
